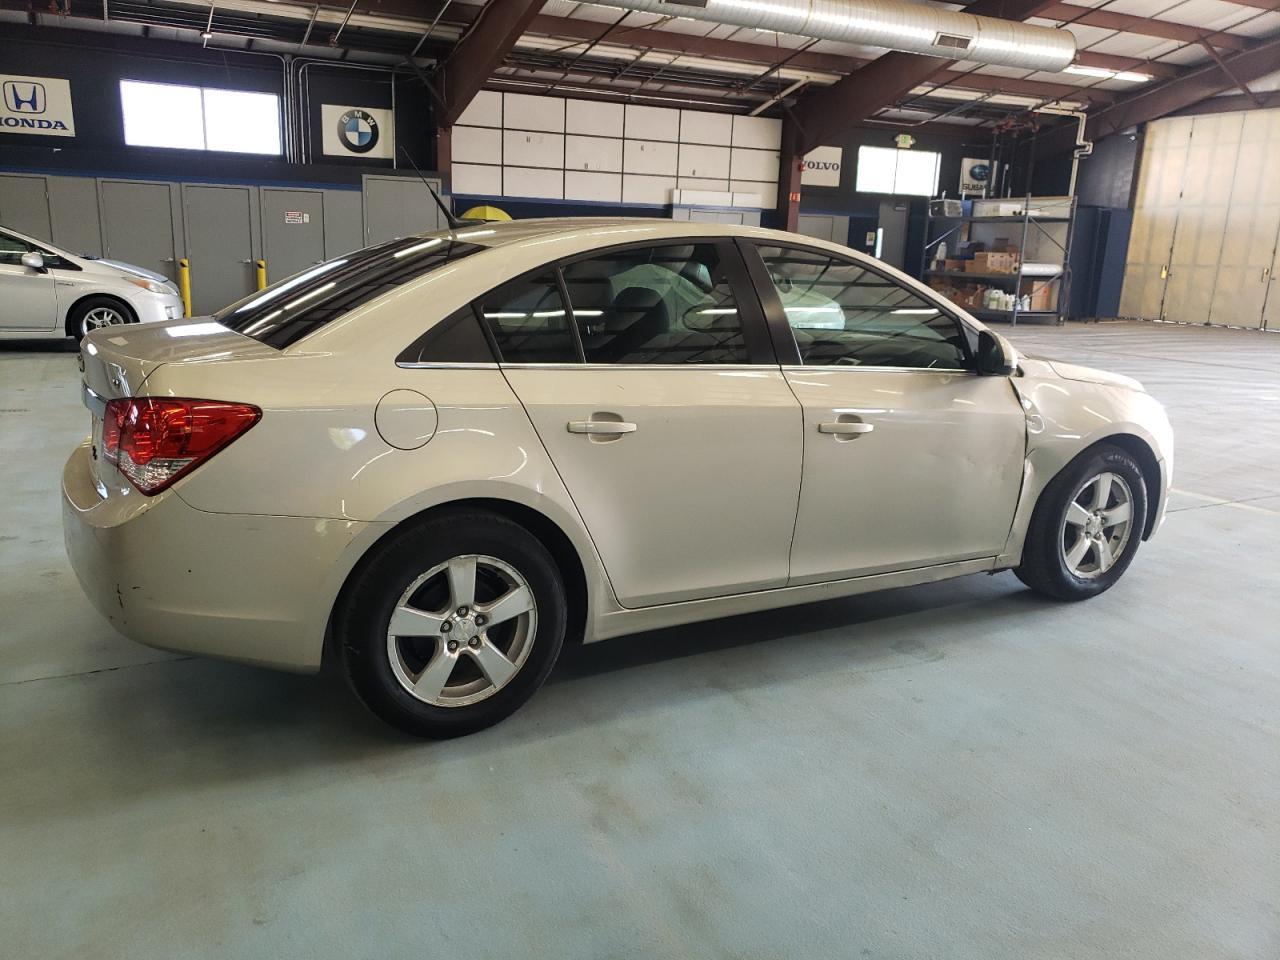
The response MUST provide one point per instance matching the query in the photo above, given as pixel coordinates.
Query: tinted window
(529, 322)
(289, 310)
(455, 339)
(12, 249)
(664, 304)
(841, 313)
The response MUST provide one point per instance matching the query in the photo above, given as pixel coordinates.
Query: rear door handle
(601, 427)
(844, 428)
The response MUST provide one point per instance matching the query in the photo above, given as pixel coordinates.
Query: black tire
(361, 622)
(75, 318)
(1044, 566)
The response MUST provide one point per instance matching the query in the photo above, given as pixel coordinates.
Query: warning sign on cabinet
(296, 216)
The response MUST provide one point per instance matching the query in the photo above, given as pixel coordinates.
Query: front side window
(670, 304)
(842, 313)
(529, 322)
(12, 249)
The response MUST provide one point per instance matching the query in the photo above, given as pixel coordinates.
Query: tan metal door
(1155, 217)
(1202, 217)
(1245, 287)
(1271, 309)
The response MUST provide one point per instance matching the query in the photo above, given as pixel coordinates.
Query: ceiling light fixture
(1104, 74)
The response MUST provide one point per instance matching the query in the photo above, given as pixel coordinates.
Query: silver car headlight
(150, 285)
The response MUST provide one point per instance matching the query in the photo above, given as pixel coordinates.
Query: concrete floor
(960, 770)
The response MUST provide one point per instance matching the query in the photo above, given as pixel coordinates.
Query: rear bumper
(248, 588)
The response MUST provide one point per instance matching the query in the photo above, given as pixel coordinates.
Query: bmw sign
(364, 132)
(358, 131)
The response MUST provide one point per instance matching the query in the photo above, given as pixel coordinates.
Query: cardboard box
(1043, 293)
(992, 262)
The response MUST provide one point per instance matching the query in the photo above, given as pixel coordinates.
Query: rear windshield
(289, 310)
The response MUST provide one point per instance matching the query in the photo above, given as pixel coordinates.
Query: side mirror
(996, 355)
(33, 261)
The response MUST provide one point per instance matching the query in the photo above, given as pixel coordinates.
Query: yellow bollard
(184, 285)
(262, 274)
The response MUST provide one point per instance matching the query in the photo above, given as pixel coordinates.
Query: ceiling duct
(897, 25)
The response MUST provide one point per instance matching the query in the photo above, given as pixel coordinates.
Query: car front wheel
(1086, 526)
(452, 624)
(96, 312)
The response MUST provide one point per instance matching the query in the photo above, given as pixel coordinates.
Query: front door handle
(610, 428)
(846, 428)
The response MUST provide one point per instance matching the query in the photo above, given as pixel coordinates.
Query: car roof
(502, 232)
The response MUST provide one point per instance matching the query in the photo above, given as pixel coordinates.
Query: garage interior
(960, 769)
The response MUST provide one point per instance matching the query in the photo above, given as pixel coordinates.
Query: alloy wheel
(1097, 526)
(461, 631)
(101, 317)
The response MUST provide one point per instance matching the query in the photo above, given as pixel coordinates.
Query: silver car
(47, 292)
(439, 459)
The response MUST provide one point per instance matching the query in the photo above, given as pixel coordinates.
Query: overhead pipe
(897, 25)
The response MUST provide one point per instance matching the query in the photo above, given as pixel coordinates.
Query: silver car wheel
(101, 317)
(1097, 526)
(462, 631)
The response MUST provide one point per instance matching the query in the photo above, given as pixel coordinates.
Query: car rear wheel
(1086, 526)
(96, 312)
(452, 624)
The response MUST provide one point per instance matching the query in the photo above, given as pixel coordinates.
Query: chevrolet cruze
(439, 459)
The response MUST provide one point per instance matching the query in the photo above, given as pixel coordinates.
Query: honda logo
(25, 96)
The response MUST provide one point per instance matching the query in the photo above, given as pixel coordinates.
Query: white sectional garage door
(1207, 222)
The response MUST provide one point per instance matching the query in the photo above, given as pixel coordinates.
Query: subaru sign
(36, 105)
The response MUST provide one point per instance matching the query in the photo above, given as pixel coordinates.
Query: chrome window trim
(445, 365)
(848, 368)
(639, 366)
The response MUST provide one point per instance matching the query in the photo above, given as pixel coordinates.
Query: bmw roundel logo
(981, 172)
(358, 131)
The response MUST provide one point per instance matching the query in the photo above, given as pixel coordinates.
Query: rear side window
(529, 322)
(289, 310)
(669, 304)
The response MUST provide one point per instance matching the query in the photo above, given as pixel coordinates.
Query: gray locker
(293, 228)
(824, 227)
(24, 206)
(219, 234)
(398, 207)
(73, 211)
(137, 224)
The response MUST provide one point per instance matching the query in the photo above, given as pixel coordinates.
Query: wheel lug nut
(475, 641)
(462, 611)
(453, 645)
(446, 627)
(480, 620)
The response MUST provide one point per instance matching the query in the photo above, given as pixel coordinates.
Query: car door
(27, 297)
(648, 374)
(910, 458)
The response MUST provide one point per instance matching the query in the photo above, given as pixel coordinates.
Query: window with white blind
(903, 172)
(200, 118)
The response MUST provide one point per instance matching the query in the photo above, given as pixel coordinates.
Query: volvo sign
(822, 167)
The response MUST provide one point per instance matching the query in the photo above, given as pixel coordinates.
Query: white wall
(519, 145)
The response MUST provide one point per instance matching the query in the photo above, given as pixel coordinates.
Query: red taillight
(155, 440)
